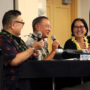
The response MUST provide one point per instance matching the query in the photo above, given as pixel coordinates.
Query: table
(54, 69)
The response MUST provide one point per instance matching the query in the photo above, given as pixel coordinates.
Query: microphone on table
(54, 38)
(71, 51)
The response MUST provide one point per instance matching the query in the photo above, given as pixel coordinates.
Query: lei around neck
(77, 45)
(20, 45)
(43, 51)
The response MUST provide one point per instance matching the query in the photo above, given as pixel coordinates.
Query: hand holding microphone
(55, 44)
(54, 38)
(39, 36)
(39, 43)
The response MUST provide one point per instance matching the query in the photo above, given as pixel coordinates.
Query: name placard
(85, 57)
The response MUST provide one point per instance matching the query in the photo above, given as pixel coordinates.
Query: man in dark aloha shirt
(13, 48)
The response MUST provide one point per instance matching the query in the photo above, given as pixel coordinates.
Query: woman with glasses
(78, 40)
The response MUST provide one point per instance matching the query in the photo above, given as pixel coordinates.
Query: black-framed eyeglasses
(20, 22)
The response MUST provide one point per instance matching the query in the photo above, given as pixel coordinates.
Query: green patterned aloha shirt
(43, 52)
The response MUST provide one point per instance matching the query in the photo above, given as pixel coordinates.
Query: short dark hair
(83, 21)
(38, 20)
(9, 15)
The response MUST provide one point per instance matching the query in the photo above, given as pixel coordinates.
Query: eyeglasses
(20, 22)
(77, 27)
(46, 25)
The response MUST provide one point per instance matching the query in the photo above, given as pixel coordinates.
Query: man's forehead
(45, 21)
(19, 18)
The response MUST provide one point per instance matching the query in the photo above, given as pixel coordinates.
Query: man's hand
(38, 44)
(55, 45)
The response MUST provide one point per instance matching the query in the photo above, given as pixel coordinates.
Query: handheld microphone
(39, 36)
(54, 38)
(30, 41)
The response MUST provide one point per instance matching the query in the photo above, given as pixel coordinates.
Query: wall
(29, 9)
(42, 7)
(83, 10)
(5, 5)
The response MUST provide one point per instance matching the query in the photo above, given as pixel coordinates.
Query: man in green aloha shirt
(42, 24)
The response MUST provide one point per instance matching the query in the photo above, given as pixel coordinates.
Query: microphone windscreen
(53, 37)
(39, 35)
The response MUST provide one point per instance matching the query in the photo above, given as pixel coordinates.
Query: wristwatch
(33, 49)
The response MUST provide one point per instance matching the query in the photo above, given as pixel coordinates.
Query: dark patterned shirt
(10, 47)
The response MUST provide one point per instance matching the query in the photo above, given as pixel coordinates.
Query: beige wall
(29, 9)
(5, 5)
(83, 10)
(29, 12)
(41, 7)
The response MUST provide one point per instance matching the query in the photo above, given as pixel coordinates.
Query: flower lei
(21, 46)
(77, 45)
(44, 51)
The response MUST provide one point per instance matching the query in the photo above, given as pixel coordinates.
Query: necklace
(44, 51)
(77, 44)
(20, 45)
